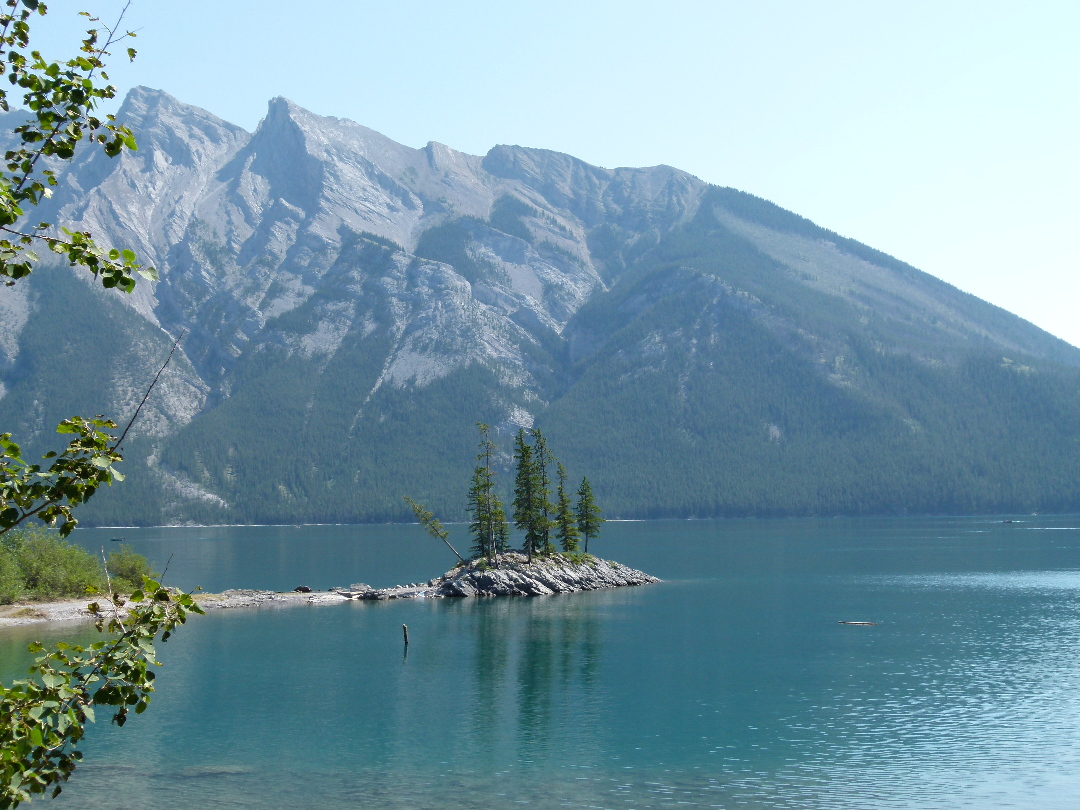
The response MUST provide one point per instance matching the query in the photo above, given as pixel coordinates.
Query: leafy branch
(43, 720)
(61, 98)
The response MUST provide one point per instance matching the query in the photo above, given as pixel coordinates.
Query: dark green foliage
(502, 526)
(507, 216)
(49, 567)
(72, 476)
(587, 513)
(61, 99)
(449, 242)
(11, 579)
(38, 564)
(542, 460)
(528, 516)
(488, 526)
(479, 501)
(532, 493)
(127, 569)
(565, 520)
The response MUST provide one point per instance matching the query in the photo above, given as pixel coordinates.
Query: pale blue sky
(946, 134)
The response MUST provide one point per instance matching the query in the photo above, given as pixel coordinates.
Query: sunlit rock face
(371, 301)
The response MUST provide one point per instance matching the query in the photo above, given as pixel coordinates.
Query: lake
(730, 684)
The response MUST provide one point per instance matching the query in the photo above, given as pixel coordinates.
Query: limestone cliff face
(364, 295)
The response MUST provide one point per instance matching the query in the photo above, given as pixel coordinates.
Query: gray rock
(515, 576)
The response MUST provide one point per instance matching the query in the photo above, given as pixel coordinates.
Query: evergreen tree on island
(566, 525)
(528, 516)
(489, 529)
(588, 513)
(542, 458)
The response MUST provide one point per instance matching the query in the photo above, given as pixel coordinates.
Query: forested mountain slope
(352, 306)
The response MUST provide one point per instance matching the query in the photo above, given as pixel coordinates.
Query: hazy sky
(944, 133)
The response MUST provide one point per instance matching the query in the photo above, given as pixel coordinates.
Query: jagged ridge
(352, 306)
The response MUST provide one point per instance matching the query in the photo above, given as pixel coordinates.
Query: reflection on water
(729, 685)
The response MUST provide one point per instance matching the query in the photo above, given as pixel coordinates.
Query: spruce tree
(588, 513)
(566, 526)
(501, 529)
(488, 518)
(542, 459)
(526, 484)
(480, 527)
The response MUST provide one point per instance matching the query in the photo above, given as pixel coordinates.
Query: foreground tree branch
(43, 719)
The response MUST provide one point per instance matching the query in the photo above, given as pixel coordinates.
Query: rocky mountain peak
(692, 344)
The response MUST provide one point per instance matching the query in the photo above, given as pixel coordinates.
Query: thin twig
(146, 396)
(112, 594)
(43, 237)
(30, 513)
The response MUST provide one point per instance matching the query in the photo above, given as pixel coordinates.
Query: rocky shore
(514, 576)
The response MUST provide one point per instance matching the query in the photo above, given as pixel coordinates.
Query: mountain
(351, 307)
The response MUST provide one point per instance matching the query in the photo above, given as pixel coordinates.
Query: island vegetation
(535, 514)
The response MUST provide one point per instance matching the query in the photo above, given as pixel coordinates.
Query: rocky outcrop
(514, 576)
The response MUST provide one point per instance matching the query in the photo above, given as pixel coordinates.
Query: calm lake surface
(730, 684)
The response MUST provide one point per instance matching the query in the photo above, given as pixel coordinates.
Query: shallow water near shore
(730, 684)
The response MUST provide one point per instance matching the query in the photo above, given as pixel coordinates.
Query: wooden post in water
(405, 630)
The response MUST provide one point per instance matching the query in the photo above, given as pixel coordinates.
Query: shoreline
(21, 614)
(690, 518)
(514, 577)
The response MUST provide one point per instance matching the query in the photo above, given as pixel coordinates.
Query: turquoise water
(728, 685)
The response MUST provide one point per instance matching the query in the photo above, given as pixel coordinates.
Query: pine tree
(526, 483)
(542, 459)
(488, 524)
(480, 526)
(501, 533)
(588, 513)
(567, 530)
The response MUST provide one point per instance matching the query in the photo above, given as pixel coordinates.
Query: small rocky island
(514, 575)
